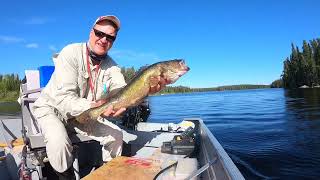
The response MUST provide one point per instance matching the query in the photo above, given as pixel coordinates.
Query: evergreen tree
(128, 73)
(277, 84)
(9, 84)
(302, 68)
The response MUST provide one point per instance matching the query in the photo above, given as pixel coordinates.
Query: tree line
(184, 89)
(9, 86)
(129, 73)
(302, 67)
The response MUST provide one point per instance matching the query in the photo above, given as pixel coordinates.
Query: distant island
(300, 70)
(10, 86)
(129, 73)
(184, 89)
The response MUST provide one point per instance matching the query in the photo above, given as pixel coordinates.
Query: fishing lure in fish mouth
(138, 88)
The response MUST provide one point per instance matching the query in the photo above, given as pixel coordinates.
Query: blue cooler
(45, 73)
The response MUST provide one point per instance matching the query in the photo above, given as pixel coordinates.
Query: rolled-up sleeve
(66, 95)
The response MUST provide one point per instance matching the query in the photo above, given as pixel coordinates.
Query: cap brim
(111, 18)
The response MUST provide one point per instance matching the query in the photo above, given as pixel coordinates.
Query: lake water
(268, 133)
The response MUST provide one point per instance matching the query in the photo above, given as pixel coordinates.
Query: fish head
(172, 70)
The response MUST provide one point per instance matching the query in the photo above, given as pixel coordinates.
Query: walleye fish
(138, 88)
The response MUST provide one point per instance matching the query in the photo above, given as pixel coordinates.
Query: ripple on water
(269, 133)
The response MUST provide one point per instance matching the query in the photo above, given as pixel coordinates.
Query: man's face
(101, 37)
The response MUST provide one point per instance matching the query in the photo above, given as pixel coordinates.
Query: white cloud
(10, 39)
(53, 48)
(36, 21)
(31, 20)
(32, 45)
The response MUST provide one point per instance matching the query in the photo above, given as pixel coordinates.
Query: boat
(185, 150)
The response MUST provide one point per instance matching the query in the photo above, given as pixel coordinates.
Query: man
(84, 76)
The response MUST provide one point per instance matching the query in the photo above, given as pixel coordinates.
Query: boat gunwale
(227, 163)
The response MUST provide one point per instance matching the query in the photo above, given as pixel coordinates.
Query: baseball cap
(111, 18)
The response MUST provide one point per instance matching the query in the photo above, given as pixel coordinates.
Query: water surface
(269, 133)
(9, 110)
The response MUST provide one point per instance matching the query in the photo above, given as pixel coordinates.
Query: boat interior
(186, 150)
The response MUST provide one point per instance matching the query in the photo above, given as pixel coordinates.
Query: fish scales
(138, 88)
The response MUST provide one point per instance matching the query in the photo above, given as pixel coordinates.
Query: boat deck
(144, 144)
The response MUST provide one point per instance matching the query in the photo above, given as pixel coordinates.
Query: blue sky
(223, 42)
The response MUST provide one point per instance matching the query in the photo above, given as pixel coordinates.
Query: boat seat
(31, 127)
(30, 91)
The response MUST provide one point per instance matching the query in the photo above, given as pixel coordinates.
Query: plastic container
(45, 73)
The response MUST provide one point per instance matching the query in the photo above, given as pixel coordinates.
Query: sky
(223, 42)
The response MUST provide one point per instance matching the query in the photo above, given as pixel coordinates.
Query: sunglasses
(101, 35)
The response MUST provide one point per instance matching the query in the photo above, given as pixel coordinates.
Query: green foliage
(302, 68)
(277, 84)
(129, 73)
(9, 87)
(177, 89)
(183, 89)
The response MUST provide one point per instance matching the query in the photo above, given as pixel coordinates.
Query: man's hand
(98, 103)
(109, 112)
(158, 84)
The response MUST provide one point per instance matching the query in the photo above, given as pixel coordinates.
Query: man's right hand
(109, 112)
(98, 103)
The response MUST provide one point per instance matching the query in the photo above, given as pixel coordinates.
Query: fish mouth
(175, 77)
(174, 74)
(168, 81)
(181, 73)
(184, 67)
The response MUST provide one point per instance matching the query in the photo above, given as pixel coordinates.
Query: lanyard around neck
(91, 81)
